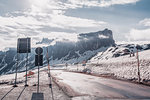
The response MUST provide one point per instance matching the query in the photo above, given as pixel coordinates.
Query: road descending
(88, 86)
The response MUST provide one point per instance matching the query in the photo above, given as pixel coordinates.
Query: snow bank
(123, 67)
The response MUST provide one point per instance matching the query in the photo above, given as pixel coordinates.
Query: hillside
(116, 62)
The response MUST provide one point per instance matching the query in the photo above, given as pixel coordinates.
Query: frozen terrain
(122, 67)
(115, 61)
(72, 86)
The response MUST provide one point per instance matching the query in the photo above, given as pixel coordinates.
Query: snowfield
(123, 67)
(113, 62)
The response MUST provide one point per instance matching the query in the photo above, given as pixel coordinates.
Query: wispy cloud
(40, 23)
(101, 3)
(44, 18)
(145, 22)
(140, 34)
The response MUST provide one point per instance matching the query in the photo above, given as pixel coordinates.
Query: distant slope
(120, 50)
(116, 61)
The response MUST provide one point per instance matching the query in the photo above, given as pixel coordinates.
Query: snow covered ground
(78, 85)
(123, 67)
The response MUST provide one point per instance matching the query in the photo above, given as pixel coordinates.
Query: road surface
(87, 87)
(7, 92)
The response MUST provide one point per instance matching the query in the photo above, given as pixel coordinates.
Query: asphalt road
(86, 86)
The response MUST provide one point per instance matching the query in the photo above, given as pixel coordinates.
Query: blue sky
(58, 19)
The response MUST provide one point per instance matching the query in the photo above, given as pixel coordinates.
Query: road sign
(39, 51)
(24, 45)
(38, 60)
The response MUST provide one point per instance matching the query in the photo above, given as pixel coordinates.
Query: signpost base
(26, 85)
(15, 85)
(37, 96)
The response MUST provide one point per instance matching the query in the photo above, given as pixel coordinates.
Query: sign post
(38, 62)
(23, 46)
(15, 85)
(26, 64)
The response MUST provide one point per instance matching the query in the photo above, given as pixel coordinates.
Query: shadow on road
(7, 93)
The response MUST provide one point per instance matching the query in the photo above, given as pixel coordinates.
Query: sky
(129, 20)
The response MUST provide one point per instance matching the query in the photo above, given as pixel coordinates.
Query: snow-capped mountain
(120, 50)
(87, 46)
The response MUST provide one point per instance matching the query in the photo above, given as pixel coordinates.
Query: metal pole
(48, 63)
(138, 63)
(77, 64)
(15, 85)
(49, 74)
(26, 64)
(38, 73)
(38, 78)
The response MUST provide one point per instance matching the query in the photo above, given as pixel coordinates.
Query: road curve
(101, 88)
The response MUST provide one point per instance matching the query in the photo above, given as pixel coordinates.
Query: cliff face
(88, 44)
(95, 40)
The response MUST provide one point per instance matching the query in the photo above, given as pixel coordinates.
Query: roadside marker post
(49, 75)
(48, 62)
(66, 65)
(84, 64)
(138, 63)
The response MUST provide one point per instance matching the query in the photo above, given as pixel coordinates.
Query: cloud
(44, 18)
(48, 5)
(145, 22)
(103, 36)
(101, 3)
(72, 22)
(142, 34)
(8, 6)
(62, 5)
(41, 25)
(106, 3)
(139, 35)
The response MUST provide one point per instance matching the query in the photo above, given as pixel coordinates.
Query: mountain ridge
(88, 45)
